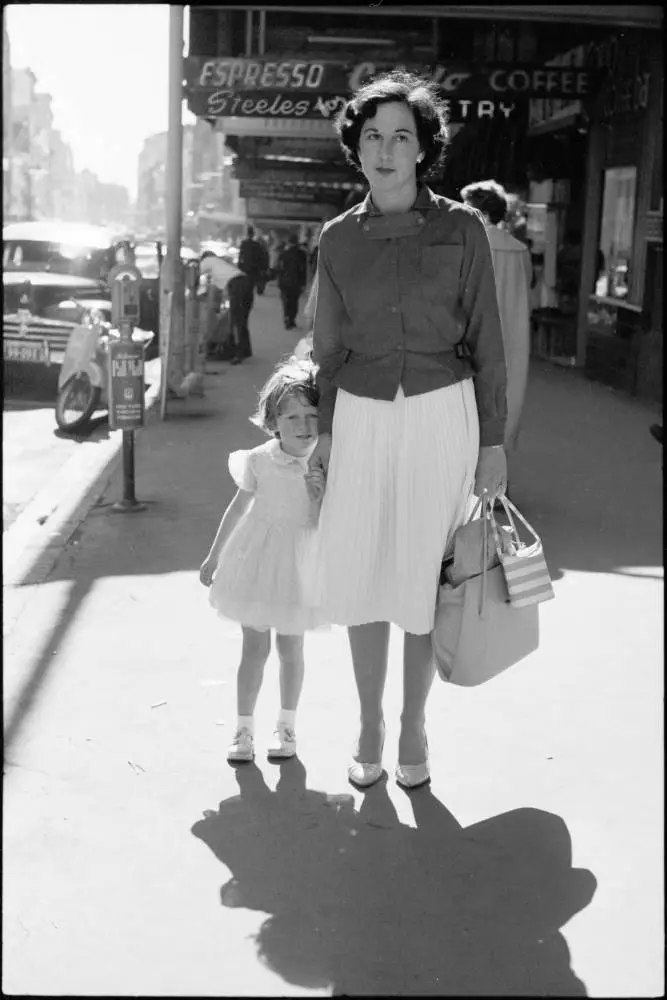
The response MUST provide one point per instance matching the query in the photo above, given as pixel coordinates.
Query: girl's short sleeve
(242, 470)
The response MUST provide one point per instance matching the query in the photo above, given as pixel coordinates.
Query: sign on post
(126, 385)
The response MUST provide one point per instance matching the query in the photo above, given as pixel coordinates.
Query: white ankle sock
(246, 722)
(287, 718)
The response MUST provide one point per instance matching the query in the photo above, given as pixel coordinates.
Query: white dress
(259, 579)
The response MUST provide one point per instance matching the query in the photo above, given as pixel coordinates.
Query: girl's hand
(315, 483)
(320, 456)
(491, 474)
(206, 571)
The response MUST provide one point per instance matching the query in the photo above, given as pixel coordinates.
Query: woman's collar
(422, 203)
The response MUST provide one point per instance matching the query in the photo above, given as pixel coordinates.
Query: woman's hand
(320, 457)
(491, 473)
(206, 571)
(315, 483)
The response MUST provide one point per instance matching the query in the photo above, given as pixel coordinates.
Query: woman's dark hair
(489, 197)
(420, 95)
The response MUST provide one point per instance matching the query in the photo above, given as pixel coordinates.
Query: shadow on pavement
(97, 429)
(364, 905)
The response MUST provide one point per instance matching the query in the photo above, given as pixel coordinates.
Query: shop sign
(275, 209)
(292, 76)
(291, 193)
(281, 106)
(271, 172)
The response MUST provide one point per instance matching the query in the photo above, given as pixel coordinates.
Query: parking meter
(126, 371)
(125, 283)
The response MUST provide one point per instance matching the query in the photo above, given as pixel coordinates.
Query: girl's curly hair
(420, 95)
(291, 377)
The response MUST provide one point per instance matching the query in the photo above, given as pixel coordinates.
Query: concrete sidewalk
(137, 862)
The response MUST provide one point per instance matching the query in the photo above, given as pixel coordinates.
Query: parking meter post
(126, 375)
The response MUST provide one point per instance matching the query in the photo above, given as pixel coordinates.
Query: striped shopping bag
(526, 573)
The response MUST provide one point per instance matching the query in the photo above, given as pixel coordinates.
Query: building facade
(562, 105)
(212, 204)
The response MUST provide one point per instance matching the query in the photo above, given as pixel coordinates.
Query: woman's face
(389, 147)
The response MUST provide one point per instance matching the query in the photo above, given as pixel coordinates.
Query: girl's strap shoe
(242, 746)
(283, 745)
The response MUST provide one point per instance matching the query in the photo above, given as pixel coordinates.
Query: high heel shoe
(410, 776)
(364, 775)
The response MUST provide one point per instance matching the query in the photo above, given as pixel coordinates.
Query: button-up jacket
(409, 299)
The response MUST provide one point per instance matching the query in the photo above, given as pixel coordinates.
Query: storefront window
(616, 231)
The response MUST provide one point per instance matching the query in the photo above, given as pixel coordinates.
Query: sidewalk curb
(34, 541)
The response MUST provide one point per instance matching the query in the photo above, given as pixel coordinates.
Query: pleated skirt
(400, 482)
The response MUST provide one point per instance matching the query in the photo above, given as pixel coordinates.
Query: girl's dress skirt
(259, 578)
(400, 482)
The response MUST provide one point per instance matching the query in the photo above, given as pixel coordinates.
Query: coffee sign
(305, 77)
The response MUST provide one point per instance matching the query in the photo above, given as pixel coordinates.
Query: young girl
(253, 567)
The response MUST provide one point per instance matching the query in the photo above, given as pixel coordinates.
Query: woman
(405, 292)
(513, 271)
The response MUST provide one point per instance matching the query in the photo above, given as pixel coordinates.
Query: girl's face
(297, 425)
(389, 147)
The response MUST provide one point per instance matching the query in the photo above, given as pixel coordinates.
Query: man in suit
(292, 275)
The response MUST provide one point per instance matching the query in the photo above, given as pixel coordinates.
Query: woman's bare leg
(418, 674)
(369, 645)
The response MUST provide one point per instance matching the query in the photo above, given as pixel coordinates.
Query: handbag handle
(486, 510)
(509, 507)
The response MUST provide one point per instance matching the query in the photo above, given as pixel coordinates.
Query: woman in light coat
(513, 272)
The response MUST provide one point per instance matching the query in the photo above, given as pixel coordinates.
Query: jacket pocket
(441, 261)
(441, 274)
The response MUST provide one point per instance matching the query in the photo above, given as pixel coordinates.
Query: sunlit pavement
(34, 450)
(136, 861)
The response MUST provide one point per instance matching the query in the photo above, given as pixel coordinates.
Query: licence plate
(34, 353)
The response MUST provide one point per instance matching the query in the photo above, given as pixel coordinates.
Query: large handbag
(477, 632)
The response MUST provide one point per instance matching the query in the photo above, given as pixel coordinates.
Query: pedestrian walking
(408, 341)
(252, 262)
(254, 567)
(251, 257)
(513, 274)
(239, 291)
(263, 264)
(292, 275)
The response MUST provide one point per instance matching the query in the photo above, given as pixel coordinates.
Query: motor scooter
(83, 379)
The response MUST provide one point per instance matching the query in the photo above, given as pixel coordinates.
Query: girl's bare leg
(290, 654)
(255, 653)
(369, 645)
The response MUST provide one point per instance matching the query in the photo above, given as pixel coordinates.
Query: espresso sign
(303, 77)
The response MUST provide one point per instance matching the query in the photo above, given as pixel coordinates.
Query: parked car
(40, 310)
(52, 273)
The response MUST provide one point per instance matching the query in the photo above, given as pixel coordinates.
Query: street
(137, 861)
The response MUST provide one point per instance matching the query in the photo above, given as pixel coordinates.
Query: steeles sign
(266, 88)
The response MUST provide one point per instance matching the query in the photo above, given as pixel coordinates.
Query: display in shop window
(616, 233)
